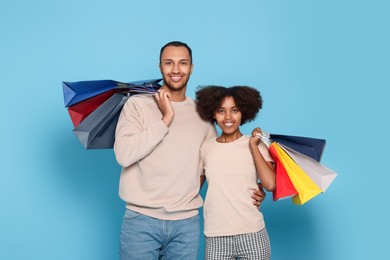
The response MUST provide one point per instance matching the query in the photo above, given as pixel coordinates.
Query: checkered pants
(254, 246)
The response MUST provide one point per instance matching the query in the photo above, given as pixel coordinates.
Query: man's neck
(176, 95)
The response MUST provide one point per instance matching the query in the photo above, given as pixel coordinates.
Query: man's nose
(175, 68)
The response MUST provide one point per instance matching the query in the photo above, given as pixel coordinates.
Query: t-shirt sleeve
(265, 153)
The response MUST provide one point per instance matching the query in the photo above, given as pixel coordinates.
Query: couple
(158, 143)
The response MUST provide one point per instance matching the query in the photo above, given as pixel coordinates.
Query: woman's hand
(254, 140)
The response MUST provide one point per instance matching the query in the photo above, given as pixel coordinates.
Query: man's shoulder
(141, 99)
(140, 103)
(210, 141)
(208, 144)
(190, 100)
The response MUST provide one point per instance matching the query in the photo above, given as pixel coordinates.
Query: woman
(233, 163)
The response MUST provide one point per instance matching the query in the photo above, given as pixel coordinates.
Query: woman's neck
(228, 138)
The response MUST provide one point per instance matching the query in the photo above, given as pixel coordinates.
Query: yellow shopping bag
(305, 187)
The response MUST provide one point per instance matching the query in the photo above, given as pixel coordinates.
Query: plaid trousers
(254, 246)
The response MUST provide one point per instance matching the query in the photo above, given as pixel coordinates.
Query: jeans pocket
(129, 214)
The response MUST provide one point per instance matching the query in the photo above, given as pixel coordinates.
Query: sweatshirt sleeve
(133, 140)
(212, 133)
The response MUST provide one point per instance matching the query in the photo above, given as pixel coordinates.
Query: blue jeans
(143, 237)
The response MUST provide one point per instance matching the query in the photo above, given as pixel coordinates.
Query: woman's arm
(265, 170)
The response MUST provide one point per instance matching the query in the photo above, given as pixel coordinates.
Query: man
(157, 144)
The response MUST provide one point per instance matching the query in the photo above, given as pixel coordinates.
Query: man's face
(175, 67)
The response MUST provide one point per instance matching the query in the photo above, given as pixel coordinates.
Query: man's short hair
(177, 44)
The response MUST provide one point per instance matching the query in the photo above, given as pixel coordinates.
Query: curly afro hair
(208, 100)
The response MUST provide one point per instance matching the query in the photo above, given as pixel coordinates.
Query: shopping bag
(78, 112)
(307, 189)
(312, 147)
(75, 92)
(97, 131)
(284, 188)
(321, 175)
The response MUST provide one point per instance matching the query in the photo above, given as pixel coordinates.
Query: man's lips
(175, 78)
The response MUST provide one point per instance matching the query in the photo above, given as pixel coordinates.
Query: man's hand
(163, 102)
(258, 196)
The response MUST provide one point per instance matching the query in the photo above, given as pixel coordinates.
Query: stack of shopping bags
(299, 173)
(94, 107)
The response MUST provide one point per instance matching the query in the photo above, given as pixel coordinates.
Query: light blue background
(321, 66)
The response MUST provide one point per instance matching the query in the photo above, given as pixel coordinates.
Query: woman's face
(228, 116)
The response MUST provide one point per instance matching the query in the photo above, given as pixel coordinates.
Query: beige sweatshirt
(160, 165)
(231, 178)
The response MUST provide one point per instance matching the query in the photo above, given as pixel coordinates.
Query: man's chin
(175, 86)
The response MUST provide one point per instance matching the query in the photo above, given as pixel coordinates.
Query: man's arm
(258, 196)
(134, 140)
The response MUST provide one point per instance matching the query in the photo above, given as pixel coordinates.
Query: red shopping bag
(284, 187)
(81, 110)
